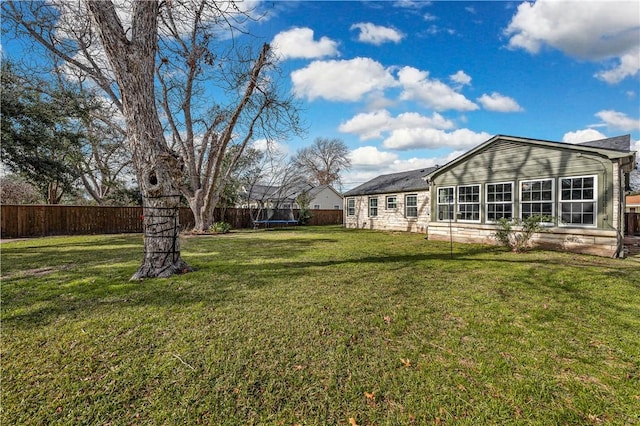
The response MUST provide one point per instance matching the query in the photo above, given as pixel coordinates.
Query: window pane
(411, 205)
(469, 202)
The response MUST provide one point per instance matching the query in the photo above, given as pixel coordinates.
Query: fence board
(41, 220)
(632, 224)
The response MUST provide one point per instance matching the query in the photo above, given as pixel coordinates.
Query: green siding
(511, 161)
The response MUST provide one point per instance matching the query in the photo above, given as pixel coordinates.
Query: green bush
(516, 234)
(304, 213)
(304, 216)
(220, 227)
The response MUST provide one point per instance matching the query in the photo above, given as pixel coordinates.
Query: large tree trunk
(196, 203)
(202, 212)
(133, 62)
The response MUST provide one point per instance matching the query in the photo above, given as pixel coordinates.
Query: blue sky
(412, 84)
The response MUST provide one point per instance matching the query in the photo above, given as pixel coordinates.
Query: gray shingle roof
(395, 182)
(618, 143)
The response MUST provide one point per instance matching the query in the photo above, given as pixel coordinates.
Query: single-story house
(398, 201)
(580, 186)
(325, 197)
(283, 199)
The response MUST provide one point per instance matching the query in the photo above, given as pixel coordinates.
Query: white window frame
(593, 200)
(316, 206)
(351, 206)
(469, 203)
(450, 204)
(552, 201)
(406, 206)
(371, 207)
(391, 205)
(488, 203)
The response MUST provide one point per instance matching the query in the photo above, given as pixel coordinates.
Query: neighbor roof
(396, 182)
(285, 193)
(617, 143)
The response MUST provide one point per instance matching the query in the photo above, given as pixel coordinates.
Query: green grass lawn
(317, 326)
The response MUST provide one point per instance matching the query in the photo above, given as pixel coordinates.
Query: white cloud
(404, 139)
(274, 148)
(499, 103)
(368, 157)
(593, 30)
(409, 4)
(619, 121)
(418, 86)
(460, 78)
(341, 80)
(628, 67)
(374, 162)
(377, 100)
(585, 135)
(299, 43)
(376, 34)
(374, 124)
(429, 17)
(434, 30)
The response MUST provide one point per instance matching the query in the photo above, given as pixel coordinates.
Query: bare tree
(193, 161)
(323, 161)
(106, 162)
(268, 184)
(634, 179)
(204, 141)
(16, 190)
(132, 58)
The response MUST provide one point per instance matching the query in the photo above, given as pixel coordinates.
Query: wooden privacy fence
(632, 224)
(41, 220)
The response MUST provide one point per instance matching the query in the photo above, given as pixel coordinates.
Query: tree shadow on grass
(228, 268)
(97, 280)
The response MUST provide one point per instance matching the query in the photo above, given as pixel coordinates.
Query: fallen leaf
(406, 362)
(352, 421)
(371, 396)
(387, 319)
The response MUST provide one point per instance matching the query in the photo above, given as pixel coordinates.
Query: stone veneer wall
(587, 241)
(388, 219)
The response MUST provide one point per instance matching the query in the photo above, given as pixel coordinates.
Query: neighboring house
(283, 198)
(581, 187)
(398, 201)
(325, 197)
(633, 203)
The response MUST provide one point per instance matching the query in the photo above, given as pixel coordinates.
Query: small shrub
(516, 234)
(220, 227)
(304, 216)
(304, 213)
